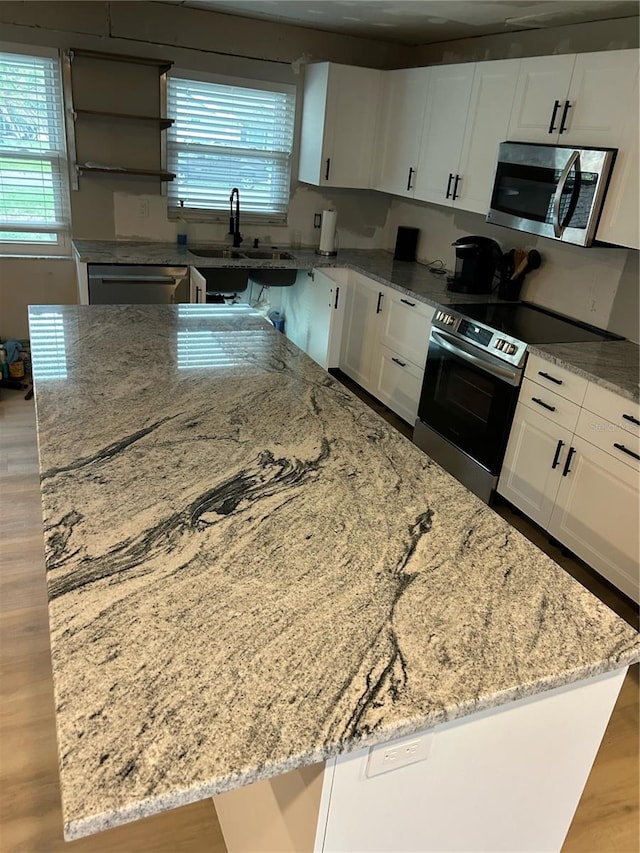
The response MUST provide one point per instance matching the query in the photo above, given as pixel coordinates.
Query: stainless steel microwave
(555, 191)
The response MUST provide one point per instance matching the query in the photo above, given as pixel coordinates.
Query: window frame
(62, 246)
(211, 215)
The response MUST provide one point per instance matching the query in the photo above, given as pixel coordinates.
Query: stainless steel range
(475, 364)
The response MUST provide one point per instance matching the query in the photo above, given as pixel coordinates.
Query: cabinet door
(313, 309)
(361, 329)
(528, 477)
(599, 98)
(445, 119)
(339, 119)
(197, 286)
(620, 223)
(398, 383)
(402, 109)
(405, 325)
(541, 90)
(494, 85)
(596, 515)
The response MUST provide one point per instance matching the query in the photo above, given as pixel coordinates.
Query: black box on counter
(406, 243)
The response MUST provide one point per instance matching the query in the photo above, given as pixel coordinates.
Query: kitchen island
(250, 574)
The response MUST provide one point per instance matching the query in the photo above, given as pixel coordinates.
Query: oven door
(468, 397)
(552, 191)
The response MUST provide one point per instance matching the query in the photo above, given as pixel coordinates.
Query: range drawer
(549, 403)
(609, 437)
(569, 385)
(619, 410)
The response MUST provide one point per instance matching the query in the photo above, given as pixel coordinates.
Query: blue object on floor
(277, 319)
(13, 349)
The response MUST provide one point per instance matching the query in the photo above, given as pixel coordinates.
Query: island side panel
(506, 779)
(281, 815)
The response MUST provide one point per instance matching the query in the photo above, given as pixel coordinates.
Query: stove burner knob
(510, 349)
(449, 319)
(499, 344)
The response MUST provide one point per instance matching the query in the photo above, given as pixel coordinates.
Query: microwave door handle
(559, 227)
(510, 376)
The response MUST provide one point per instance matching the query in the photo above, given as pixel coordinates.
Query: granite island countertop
(250, 571)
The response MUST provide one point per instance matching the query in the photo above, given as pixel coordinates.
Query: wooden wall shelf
(125, 170)
(163, 64)
(162, 121)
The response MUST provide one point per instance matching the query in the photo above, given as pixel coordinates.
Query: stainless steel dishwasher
(138, 284)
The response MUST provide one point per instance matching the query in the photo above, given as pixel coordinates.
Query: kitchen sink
(222, 252)
(265, 254)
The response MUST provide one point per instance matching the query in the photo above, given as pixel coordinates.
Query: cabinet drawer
(549, 403)
(619, 410)
(405, 326)
(398, 384)
(609, 437)
(569, 385)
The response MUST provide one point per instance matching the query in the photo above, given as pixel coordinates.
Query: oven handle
(512, 376)
(558, 228)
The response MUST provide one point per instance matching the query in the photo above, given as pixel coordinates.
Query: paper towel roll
(328, 233)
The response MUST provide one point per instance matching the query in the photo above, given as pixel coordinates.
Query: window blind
(34, 193)
(227, 136)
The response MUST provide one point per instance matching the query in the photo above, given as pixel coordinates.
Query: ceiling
(414, 22)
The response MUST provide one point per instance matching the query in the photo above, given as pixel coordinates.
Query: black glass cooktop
(531, 324)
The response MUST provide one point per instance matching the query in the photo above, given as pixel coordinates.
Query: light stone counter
(613, 364)
(249, 571)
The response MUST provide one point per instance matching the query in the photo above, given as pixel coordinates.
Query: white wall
(578, 282)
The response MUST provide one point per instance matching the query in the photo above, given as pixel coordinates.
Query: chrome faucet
(234, 219)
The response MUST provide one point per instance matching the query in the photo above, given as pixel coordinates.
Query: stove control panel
(505, 346)
(445, 319)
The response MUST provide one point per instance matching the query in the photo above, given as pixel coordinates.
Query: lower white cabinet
(361, 328)
(533, 462)
(575, 471)
(314, 312)
(385, 342)
(596, 514)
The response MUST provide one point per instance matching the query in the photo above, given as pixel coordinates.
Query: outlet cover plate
(398, 753)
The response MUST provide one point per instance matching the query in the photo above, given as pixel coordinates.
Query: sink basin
(232, 254)
(267, 255)
(273, 278)
(224, 280)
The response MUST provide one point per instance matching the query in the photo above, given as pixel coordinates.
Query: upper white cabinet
(577, 99)
(494, 85)
(620, 222)
(467, 116)
(445, 119)
(339, 118)
(402, 106)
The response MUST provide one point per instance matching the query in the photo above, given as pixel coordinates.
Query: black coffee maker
(477, 259)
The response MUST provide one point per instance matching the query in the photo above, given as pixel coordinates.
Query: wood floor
(30, 817)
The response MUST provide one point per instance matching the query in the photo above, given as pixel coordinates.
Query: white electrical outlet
(398, 753)
(143, 208)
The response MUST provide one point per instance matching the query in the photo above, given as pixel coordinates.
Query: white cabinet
(487, 126)
(572, 465)
(533, 462)
(620, 223)
(314, 310)
(197, 286)
(574, 99)
(467, 116)
(361, 328)
(445, 119)
(385, 341)
(402, 107)
(339, 119)
(596, 514)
